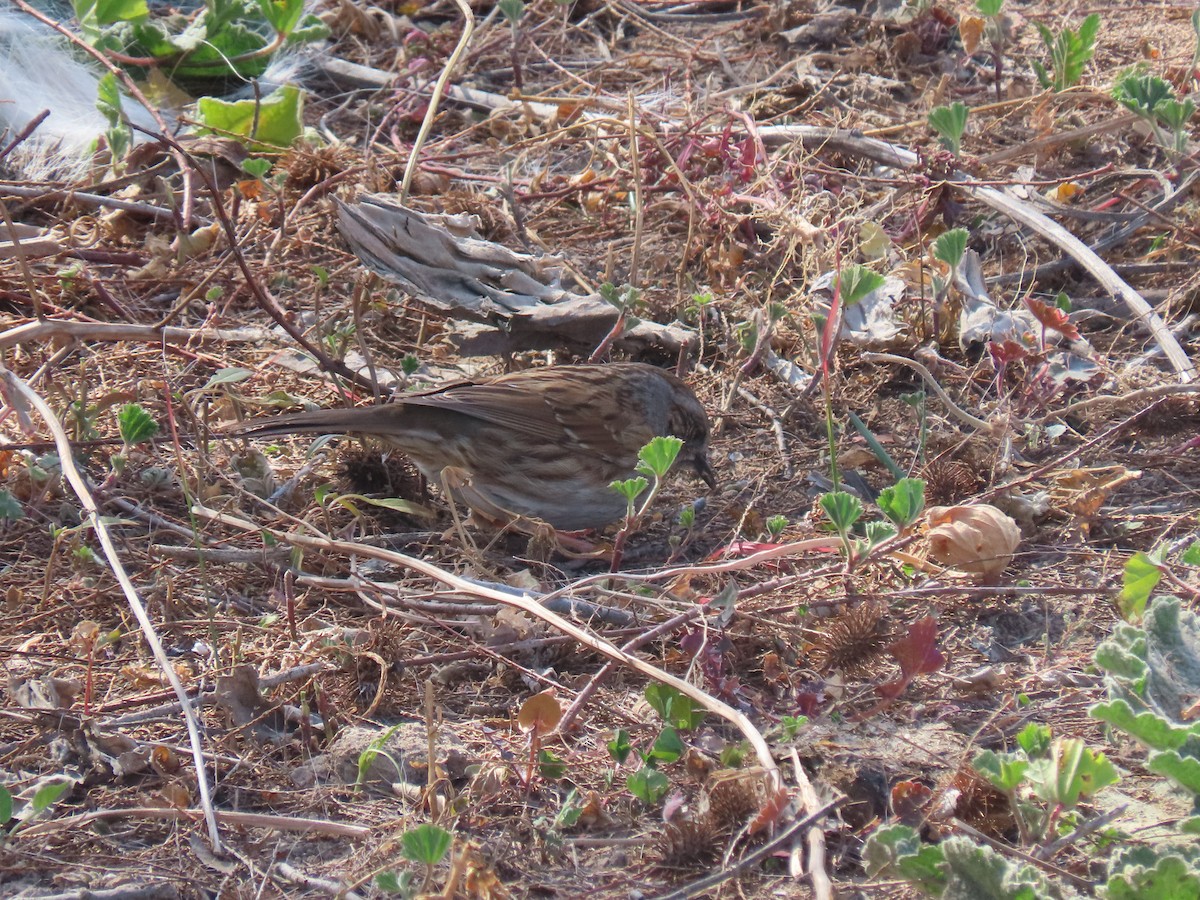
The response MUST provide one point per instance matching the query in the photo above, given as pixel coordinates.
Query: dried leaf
(980, 540)
(970, 29)
(540, 714)
(770, 811)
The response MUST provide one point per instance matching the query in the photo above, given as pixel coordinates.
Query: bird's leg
(451, 478)
(544, 538)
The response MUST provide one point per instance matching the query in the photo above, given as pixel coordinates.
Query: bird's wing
(544, 407)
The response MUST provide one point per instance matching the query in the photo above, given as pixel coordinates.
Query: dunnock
(542, 443)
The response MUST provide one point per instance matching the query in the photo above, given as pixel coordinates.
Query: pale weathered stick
(16, 387)
(531, 607)
(120, 331)
(240, 819)
(901, 158)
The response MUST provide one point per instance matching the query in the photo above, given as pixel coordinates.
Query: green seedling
(10, 507)
(1044, 780)
(118, 135)
(1070, 51)
(903, 502)
(654, 461)
(648, 784)
(368, 756)
(844, 510)
(950, 123)
(426, 845)
(1153, 100)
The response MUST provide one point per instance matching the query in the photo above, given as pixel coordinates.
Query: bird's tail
(364, 420)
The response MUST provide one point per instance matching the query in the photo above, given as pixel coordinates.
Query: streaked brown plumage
(542, 443)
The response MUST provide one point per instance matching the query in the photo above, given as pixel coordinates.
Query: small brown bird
(542, 443)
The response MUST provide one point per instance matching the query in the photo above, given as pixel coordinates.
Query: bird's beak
(705, 470)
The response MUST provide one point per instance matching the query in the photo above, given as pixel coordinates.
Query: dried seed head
(369, 472)
(734, 796)
(967, 796)
(852, 640)
(949, 481)
(688, 840)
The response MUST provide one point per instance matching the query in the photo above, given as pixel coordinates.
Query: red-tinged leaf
(748, 158)
(1007, 352)
(770, 812)
(917, 651)
(808, 703)
(890, 690)
(909, 800)
(1053, 318)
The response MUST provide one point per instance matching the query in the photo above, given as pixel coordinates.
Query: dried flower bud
(978, 539)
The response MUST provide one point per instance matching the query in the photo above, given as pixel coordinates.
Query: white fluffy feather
(41, 70)
(38, 71)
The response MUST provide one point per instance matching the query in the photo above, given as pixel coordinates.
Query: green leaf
(674, 708)
(1070, 51)
(1175, 114)
(230, 375)
(897, 851)
(950, 246)
(1183, 770)
(667, 748)
(1004, 771)
(279, 120)
(926, 869)
(392, 883)
(10, 507)
(1070, 772)
(620, 746)
(135, 424)
(989, 7)
(843, 509)
(48, 794)
(903, 502)
(284, 15)
(551, 766)
(1140, 92)
(976, 873)
(108, 12)
(1191, 556)
(256, 167)
(877, 448)
(1171, 878)
(6, 805)
(950, 122)
(426, 844)
(1141, 576)
(512, 10)
(630, 488)
(657, 457)
(648, 784)
(856, 282)
(877, 533)
(108, 99)
(1034, 739)
(1149, 728)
